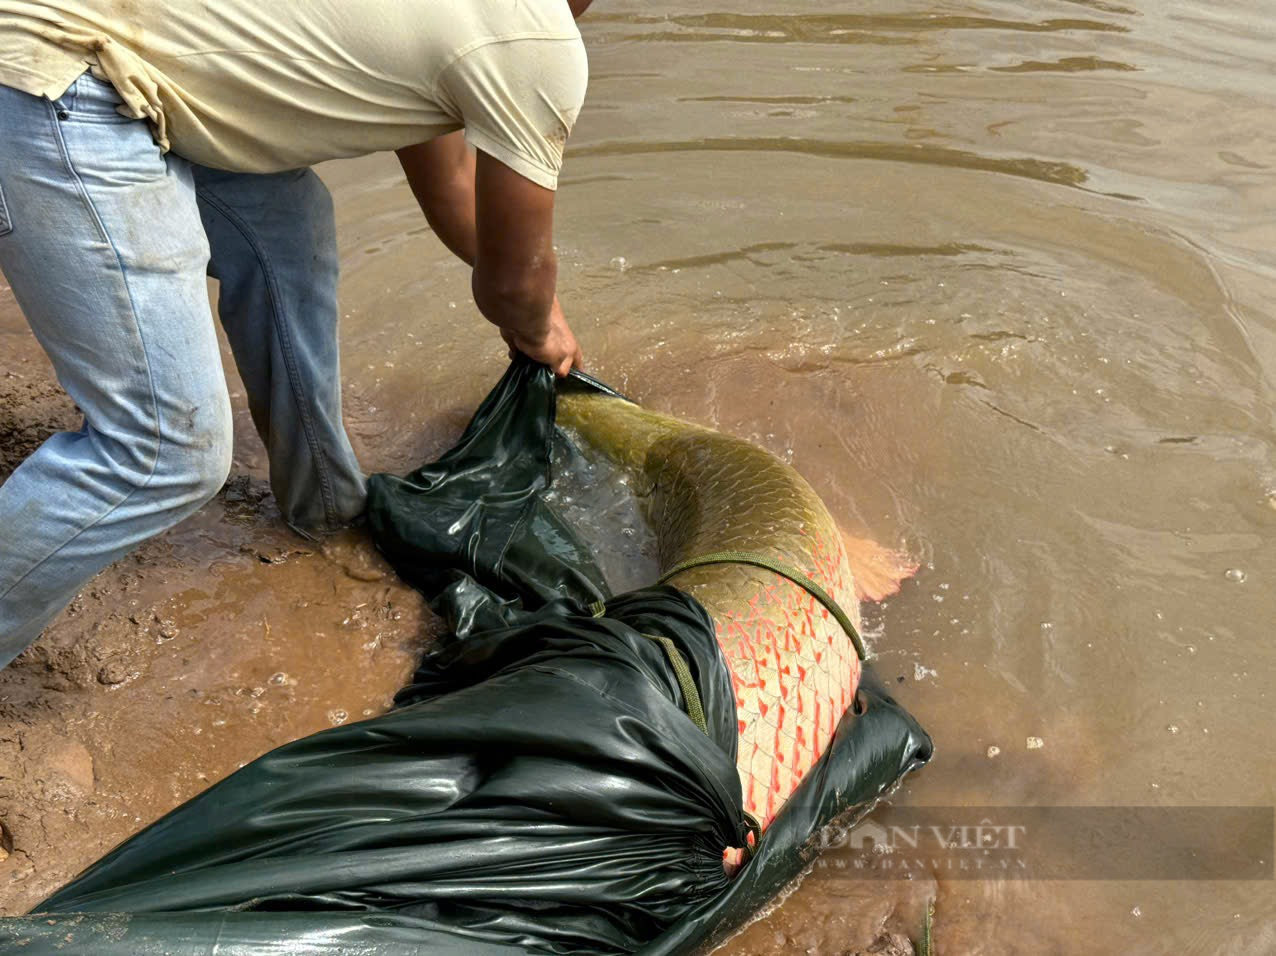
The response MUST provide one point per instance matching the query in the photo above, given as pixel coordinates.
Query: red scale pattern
(795, 673)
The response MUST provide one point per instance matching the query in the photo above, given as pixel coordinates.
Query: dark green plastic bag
(538, 787)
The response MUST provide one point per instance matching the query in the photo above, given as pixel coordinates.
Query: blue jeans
(106, 244)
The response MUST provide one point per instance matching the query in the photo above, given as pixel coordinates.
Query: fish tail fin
(878, 571)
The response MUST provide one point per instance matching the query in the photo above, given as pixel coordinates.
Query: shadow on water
(1060, 174)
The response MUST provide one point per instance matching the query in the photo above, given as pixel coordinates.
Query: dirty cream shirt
(266, 85)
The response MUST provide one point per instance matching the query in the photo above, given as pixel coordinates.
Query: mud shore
(207, 647)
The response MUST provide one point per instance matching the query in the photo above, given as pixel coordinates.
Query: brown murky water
(997, 278)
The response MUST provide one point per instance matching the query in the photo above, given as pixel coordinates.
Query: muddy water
(997, 279)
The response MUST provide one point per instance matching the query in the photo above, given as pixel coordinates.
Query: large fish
(538, 788)
(794, 667)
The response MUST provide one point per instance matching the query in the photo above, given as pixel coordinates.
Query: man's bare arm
(441, 174)
(501, 224)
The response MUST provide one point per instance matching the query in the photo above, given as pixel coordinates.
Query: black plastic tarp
(539, 786)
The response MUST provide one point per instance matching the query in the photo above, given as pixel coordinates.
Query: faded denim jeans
(106, 244)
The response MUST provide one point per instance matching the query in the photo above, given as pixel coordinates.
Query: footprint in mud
(274, 555)
(887, 944)
(354, 555)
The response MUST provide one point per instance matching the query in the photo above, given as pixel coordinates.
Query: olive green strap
(693, 705)
(695, 710)
(686, 683)
(681, 672)
(785, 571)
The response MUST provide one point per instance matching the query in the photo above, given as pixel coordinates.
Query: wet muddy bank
(207, 647)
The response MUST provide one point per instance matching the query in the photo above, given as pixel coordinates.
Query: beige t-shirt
(266, 85)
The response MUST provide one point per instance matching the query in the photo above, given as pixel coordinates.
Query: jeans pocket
(6, 222)
(92, 100)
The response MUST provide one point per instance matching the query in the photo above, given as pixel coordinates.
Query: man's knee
(214, 457)
(213, 467)
(198, 457)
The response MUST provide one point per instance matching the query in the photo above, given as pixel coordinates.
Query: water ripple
(828, 28)
(1046, 171)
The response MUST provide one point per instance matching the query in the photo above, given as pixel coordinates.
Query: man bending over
(143, 146)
